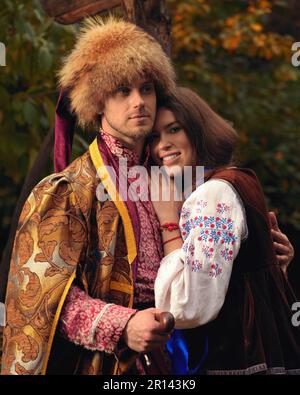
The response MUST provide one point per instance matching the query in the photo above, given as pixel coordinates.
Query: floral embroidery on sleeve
(215, 270)
(185, 212)
(213, 237)
(200, 205)
(222, 208)
(207, 251)
(195, 264)
(191, 249)
(212, 234)
(212, 229)
(92, 323)
(227, 254)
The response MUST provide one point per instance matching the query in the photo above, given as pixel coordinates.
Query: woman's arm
(193, 280)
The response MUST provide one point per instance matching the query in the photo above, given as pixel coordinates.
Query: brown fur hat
(107, 54)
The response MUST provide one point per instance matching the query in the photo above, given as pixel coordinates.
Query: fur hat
(107, 54)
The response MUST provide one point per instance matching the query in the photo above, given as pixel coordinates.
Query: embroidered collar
(118, 149)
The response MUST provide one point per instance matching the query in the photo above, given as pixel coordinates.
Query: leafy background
(235, 54)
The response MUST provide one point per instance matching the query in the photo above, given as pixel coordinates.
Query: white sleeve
(192, 281)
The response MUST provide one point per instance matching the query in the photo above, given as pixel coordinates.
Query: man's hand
(143, 332)
(283, 248)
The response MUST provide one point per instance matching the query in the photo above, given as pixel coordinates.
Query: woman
(219, 276)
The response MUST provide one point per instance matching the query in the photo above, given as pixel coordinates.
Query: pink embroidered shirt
(93, 323)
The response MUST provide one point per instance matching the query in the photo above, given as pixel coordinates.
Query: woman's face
(169, 144)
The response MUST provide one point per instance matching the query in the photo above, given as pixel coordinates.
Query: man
(82, 272)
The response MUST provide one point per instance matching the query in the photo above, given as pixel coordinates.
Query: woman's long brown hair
(212, 136)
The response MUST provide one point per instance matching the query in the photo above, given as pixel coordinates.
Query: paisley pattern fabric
(64, 233)
(40, 269)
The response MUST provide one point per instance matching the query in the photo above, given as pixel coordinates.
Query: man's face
(129, 112)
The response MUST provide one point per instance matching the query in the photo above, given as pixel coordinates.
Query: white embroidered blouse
(192, 281)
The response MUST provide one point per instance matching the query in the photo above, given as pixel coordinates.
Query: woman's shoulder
(239, 185)
(233, 175)
(211, 190)
(212, 203)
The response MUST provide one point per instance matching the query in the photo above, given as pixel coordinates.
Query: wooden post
(68, 12)
(152, 16)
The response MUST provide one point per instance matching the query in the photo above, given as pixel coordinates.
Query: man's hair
(213, 138)
(109, 54)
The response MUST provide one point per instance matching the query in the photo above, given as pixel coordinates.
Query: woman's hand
(283, 248)
(166, 207)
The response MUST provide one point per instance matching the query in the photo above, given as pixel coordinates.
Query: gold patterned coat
(66, 235)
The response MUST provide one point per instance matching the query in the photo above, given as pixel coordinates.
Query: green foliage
(233, 58)
(34, 47)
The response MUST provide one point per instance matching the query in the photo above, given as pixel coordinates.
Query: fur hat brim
(107, 54)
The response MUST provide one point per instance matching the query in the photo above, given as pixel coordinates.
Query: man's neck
(135, 145)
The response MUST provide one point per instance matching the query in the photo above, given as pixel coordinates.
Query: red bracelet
(170, 226)
(174, 238)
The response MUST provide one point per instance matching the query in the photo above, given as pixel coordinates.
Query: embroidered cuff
(109, 330)
(91, 322)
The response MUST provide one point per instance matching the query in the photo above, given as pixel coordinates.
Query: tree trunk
(153, 17)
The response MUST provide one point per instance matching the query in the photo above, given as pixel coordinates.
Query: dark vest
(253, 332)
